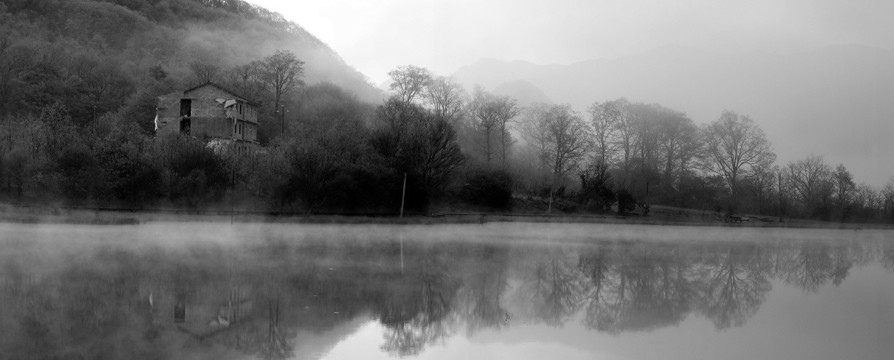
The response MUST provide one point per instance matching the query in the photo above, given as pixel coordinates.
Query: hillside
(834, 101)
(47, 46)
(523, 91)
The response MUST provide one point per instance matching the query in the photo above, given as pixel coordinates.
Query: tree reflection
(886, 256)
(553, 289)
(276, 346)
(480, 297)
(416, 309)
(594, 266)
(812, 265)
(737, 282)
(115, 302)
(640, 289)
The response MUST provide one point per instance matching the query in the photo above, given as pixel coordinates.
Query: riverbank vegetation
(76, 130)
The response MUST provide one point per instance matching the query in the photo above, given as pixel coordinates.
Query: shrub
(80, 173)
(626, 201)
(595, 188)
(489, 188)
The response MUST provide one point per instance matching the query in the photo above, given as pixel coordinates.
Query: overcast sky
(377, 36)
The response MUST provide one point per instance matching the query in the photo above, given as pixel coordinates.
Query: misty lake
(492, 291)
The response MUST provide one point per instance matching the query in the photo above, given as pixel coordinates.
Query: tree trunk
(503, 146)
(487, 152)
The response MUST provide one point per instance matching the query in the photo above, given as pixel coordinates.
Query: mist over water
(276, 291)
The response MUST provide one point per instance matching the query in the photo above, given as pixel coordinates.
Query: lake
(503, 290)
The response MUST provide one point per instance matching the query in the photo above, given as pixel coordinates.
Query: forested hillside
(80, 81)
(102, 56)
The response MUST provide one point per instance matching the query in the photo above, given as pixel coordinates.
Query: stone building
(209, 112)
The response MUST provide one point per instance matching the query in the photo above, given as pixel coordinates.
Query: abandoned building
(212, 113)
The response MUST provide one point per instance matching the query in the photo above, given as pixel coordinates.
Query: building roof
(209, 83)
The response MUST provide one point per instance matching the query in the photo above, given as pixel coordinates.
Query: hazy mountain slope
(524, 91)
(836, 101)
(172, 33)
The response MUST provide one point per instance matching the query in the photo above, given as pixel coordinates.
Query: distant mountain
(524, 91)
(836, 101)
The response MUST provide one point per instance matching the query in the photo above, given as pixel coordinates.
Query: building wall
(247, 132)
(211, 127)
(208, 96)
(168, 113)
(247, 112)
(209, 118)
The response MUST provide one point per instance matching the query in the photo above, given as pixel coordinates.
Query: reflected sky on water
(524, 291)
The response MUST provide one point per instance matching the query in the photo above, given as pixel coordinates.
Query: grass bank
(659, 215)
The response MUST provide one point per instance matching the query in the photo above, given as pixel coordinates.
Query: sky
(377, 36)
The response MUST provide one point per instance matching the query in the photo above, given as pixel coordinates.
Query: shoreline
(57, 215)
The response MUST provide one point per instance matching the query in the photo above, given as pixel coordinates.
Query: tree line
(326, 151)
(621, 154)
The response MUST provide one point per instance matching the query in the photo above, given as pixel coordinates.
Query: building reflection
(252, 301)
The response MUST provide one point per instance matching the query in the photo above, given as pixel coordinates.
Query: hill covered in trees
(99, 56)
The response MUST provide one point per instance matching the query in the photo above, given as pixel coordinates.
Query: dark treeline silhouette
(118, 300)
(81, 80)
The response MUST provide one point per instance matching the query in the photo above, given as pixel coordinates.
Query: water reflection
(229, 301)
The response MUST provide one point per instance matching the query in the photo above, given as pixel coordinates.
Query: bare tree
(409, 82)
(812, 182)
(282, 73)
(440, 153)
(624, 122)
(247, 80)
(647, 119)
(844, 186)
(484, 118)
(569, 142)
(678, 139)
(508, 110)
(867, 201)
(535, 130)
(690, 141)
(887, 198)
(416, 142)
(734, 145)
(446, 98)
(493, 113)
(204, 72)
(603, 124)
(10, 69)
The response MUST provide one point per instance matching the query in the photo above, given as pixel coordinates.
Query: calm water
(520, 291)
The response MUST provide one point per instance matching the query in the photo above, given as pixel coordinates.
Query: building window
(186, 107)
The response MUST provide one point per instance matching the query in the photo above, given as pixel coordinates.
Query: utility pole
(779, 190)
(403, 196)
(282, 119)
(233, 185)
